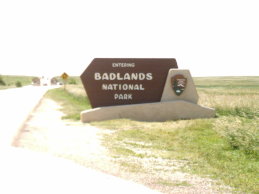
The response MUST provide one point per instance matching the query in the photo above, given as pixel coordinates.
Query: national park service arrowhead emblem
(178, 84)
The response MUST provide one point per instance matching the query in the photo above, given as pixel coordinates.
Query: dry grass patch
(77, 90)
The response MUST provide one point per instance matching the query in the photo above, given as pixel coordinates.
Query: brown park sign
(119, 81)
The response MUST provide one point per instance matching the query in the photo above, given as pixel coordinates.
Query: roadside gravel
(83, 143)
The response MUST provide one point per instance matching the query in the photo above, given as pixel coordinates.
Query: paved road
(24, 171)
(15, 106)
(27, 172)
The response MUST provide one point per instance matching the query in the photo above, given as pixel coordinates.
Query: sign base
(178, 101)
(158, 111)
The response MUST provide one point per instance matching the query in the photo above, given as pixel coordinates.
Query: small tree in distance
(2, 82)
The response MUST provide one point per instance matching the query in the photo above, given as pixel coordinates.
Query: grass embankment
(11, 81)
(73, 100)
(226, 147)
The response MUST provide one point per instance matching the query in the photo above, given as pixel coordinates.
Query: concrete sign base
(178, 101)
(159, 111)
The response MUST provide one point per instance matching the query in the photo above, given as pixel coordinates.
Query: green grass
(73, 80)
(209, 151)
(11, 81)
(72, 104)
(225, 148)
(227, 82)
(172, 184)
(133, 167)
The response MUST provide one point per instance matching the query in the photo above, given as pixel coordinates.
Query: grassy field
(10, 81)
(73, 100)
(225, 148)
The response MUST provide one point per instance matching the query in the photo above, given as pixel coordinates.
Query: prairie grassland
(225, 148)
(230, 93)
(72, 100)
(77, 90)
(10, 81)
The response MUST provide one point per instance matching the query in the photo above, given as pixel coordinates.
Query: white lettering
(122, 97)
(112, 76)
(126, 76)
(134, 76)
(149, 76)
(142, 76)
(104, 87)
(110, 87)
(105, 76)
(131, 87)
(124, 87)
(97, 76)
(119, 76)
(136, 87)
(115, 86)
(123, 64)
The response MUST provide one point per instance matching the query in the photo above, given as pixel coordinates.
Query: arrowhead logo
(178, 84)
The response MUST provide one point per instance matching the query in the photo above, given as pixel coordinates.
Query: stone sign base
(171, 106)
(159, 111)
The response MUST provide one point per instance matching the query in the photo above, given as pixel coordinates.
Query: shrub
(2, 83)
(245, 112)
(241, 134)
(243, 139)
(18, 84)
(72, 81)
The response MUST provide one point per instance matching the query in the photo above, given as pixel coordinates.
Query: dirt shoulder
(45, 131)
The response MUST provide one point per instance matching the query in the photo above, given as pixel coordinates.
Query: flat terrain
(11, 81)
(83, 144)
(188, 156)
(25, 171)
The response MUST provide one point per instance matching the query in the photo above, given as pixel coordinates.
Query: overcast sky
(219, 37)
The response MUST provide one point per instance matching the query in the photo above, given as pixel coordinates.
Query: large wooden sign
(118, 81)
